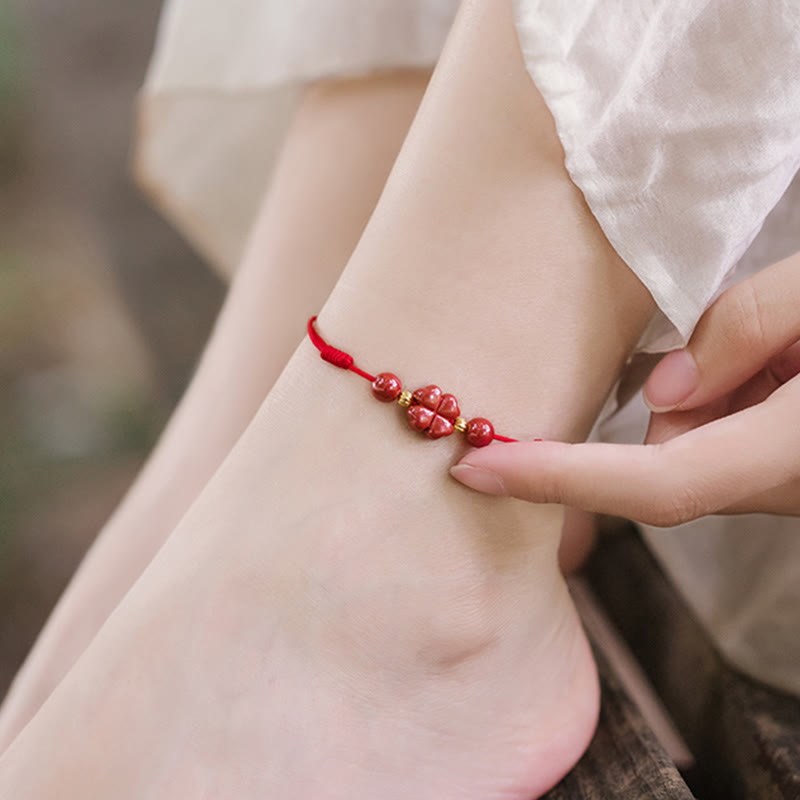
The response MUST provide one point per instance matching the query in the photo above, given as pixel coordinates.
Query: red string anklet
(428, 410)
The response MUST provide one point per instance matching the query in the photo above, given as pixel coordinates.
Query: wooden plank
(625, 760)
(756, 732)
(745, 736)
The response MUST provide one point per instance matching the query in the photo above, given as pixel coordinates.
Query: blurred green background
(103, 309)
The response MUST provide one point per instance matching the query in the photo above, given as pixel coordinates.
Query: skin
(722, 437)
(337, 156)
(334, 616)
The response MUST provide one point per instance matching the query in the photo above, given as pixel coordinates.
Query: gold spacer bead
(460, 424)
(404, 398)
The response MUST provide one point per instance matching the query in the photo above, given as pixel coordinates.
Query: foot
(336, 617)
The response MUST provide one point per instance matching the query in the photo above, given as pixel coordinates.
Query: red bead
(448, 407)
(432, 412)
(419, 417)
(428, 396)
(440, 426)
(386, 387)
(432, 397)
(480, 432)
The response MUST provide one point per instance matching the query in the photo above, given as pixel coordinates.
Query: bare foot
(336, 617)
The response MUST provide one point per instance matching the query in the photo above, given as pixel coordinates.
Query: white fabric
(222, 83)
(680, 122)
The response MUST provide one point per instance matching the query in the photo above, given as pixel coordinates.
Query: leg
(330, 175)
(578, 537)
(369, 627)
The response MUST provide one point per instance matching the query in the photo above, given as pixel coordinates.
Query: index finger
(701, 472)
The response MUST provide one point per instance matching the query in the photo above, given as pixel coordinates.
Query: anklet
(428, 410)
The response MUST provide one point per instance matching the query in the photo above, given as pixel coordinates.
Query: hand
(724, 435)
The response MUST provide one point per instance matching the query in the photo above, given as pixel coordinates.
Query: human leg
(336, 617)
(344, 140)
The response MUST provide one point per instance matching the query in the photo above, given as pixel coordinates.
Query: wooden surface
(744, 735)
(624, 761)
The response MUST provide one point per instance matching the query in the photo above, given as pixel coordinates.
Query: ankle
(383, 532)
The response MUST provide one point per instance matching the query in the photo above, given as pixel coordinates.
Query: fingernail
(483, 480)
(671, 382)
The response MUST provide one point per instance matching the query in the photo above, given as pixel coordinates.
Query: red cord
(334, 356)
(344, 360)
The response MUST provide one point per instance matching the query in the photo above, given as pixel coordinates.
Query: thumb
(736, 337)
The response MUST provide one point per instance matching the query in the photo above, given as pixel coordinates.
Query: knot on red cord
(336, 357)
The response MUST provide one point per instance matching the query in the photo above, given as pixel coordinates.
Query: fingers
(786, 364)
(715, 467)
(737, 336)
(663, 427)
(593, 477)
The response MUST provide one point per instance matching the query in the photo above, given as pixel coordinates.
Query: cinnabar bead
(428, 396)
(428, 422)
(419, 417)
(480, 432)
(432, 412)
(432, 397)
(440, 426)
(448, 407)
(386, 387)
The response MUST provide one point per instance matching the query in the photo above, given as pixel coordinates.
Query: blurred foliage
(103, 309)
(12, 89)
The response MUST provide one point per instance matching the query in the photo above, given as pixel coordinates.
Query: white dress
(680, 121)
